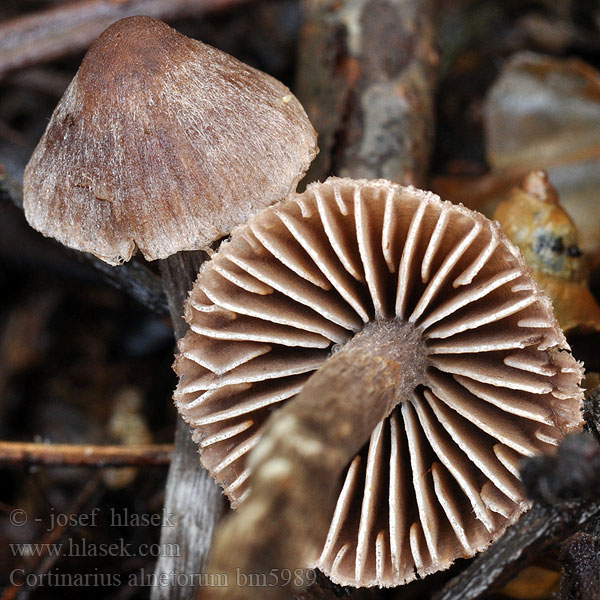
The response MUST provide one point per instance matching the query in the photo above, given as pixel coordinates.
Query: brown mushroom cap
(438, 479)
(162, 143)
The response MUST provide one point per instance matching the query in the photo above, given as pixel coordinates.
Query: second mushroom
(423, 323)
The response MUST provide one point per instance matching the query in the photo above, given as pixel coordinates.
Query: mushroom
(425, 361)
(162, 143)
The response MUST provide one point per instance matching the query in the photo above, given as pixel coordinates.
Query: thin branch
(133, 278)
(538, 530)
(61, 455)
(565, 488)
(56, 32)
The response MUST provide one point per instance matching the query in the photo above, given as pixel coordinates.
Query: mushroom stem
(191, 495)
(297, 465)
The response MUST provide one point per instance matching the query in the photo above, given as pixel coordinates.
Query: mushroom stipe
(439, 333)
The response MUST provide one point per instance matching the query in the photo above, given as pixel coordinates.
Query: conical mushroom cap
(438, 479)
(162, 143)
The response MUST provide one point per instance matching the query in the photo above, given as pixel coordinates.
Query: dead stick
(367, 77)
(565, 487)
(57, 32)
(535, 532)
(61, 455)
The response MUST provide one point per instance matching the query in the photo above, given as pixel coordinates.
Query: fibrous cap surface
(162, 143)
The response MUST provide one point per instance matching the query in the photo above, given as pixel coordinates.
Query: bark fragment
(366, 78)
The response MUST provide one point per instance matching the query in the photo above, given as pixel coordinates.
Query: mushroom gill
(487, 376)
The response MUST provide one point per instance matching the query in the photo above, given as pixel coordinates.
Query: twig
(10, 190)
(57, 32)
(60, 455)
(565, 488)
(539, 529)
(47, 80)
(133, 278)
(366, 77)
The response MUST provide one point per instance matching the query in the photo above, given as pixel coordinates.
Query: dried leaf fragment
(533, 219)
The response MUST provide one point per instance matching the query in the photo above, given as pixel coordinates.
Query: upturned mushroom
(162, 143)
(373, 332)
